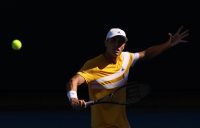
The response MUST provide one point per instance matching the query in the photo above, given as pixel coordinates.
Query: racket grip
(89, 103)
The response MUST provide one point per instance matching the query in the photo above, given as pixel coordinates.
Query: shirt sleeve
(86, 72)
(136, 57)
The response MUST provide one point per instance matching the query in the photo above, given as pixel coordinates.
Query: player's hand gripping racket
(134, 92)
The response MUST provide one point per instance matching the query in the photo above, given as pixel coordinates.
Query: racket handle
(89, 103)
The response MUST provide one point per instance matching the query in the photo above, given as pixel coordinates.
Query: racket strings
(136, 93)
(109, 98)
(126, 95)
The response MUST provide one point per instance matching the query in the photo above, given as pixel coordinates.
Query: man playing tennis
(110, 70)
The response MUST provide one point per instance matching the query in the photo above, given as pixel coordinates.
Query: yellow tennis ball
(16, 44)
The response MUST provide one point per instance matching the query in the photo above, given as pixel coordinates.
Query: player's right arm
(175, 39)
(72, 87)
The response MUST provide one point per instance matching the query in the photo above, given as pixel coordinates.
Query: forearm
(73, 84)
(71, 88)
(153, 51)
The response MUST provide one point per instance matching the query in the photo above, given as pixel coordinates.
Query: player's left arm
(177, 38)
(71, 88)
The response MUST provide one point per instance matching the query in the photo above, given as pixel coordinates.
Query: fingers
(185, 35)
(77, 104)
(185, 32)
(82, 103)
(184, 41)
(171, 36)
(179, 35)
(179, 30)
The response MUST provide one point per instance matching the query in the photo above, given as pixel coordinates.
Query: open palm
(178, 37)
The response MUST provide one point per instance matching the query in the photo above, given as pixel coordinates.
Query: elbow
(74, 82)
(144, 55)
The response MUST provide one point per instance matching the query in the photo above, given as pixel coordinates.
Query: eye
(119, 40)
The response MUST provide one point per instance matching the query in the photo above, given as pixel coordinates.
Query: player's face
(115, 45)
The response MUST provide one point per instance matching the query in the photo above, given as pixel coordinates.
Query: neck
(110, 59)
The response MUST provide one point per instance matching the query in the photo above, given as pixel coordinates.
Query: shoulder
(93, 62)
(94, 59)
(134, 55)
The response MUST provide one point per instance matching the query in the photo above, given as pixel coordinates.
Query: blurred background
(58, 37)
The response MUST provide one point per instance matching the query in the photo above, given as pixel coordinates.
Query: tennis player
(109, 71)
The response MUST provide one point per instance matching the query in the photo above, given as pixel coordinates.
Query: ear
(124, 46)
(105, 43)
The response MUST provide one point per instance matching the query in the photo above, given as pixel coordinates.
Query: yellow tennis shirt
(102, 78)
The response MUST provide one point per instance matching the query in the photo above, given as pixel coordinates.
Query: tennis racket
(134, 92)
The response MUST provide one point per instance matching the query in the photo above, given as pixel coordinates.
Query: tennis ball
(16, 44)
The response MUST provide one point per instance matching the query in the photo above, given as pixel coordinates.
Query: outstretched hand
(178, 37)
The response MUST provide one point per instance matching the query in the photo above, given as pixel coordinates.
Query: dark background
(58, 37)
